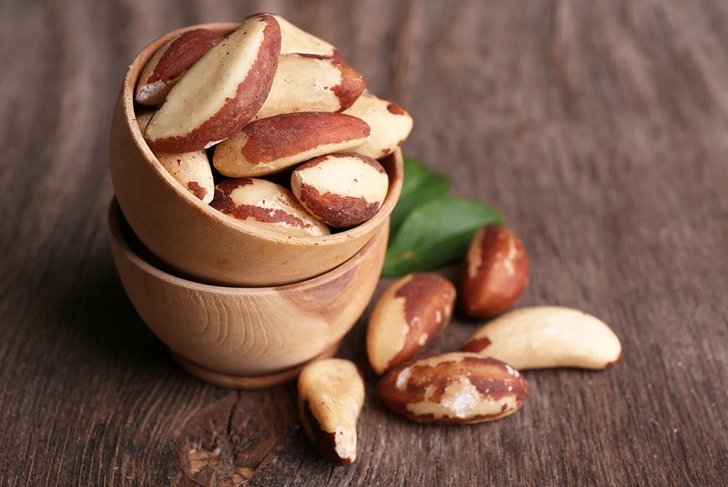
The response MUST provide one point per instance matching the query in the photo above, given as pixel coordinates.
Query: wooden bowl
(197, 240)
(246, 337)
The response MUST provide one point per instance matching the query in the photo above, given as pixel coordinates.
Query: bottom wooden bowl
(246, 337)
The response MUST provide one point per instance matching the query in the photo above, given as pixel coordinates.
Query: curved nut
(266, 205)
(547, 336)
(170, 62)
(272, 144)
(390, 123)
(342, 190)
(495, 273)
(406, 317)
(221, 92)
(330, 398)
(309, 83)
(296, 40)
(191, 169)
(453, 388)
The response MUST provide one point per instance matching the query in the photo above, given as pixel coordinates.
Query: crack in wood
(227, 441)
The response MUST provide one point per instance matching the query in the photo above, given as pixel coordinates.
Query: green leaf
(420, 184)
(436, 233)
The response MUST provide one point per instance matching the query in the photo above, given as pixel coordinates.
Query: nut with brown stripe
(495, 272)
(170, 62)
(296, 40)
(390, 123)
(412, 311)
(342, 190)
(548, 336)
(266, 205)
(453, 388)
(221, 92)
(330, 398)
(191, 169)
(311, 83)
(272, 144)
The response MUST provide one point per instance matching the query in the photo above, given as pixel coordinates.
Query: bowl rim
(395, 172)
(116, 217)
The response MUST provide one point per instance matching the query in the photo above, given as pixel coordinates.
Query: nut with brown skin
(406, 317)
(191, 169)
(453, 388)
(269, 145)
(266, 205)
(547, 336)
(221, 92)
(170, 62)
(342, 190)
(495, 272)
(390, 123)
(330, 398)
(310, 83)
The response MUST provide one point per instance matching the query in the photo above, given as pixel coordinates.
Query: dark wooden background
(600, 128)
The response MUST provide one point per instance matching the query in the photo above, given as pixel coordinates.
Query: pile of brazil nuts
(479, 383)
(269, 101)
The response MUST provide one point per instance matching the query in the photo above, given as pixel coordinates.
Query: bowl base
(249, 381)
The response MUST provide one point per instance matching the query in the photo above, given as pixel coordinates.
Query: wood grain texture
(599, 128)
(244, 332)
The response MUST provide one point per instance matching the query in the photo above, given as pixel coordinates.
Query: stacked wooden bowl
(237, 305)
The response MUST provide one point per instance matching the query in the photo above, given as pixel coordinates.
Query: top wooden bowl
(197, 240)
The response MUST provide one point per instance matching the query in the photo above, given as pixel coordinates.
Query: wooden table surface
(599, 128)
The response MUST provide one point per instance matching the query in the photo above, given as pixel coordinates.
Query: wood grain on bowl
(242, 332)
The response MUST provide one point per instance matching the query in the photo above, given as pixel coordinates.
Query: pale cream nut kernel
(221, 92)
(309, 83)
(330, 398)
(342, 190)
(453, 388)
(390, 123)
(266, 205)
(170, 62)
(191, 169)
(409, 314)
(269, 145)
(547, 336)
(297, 40)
